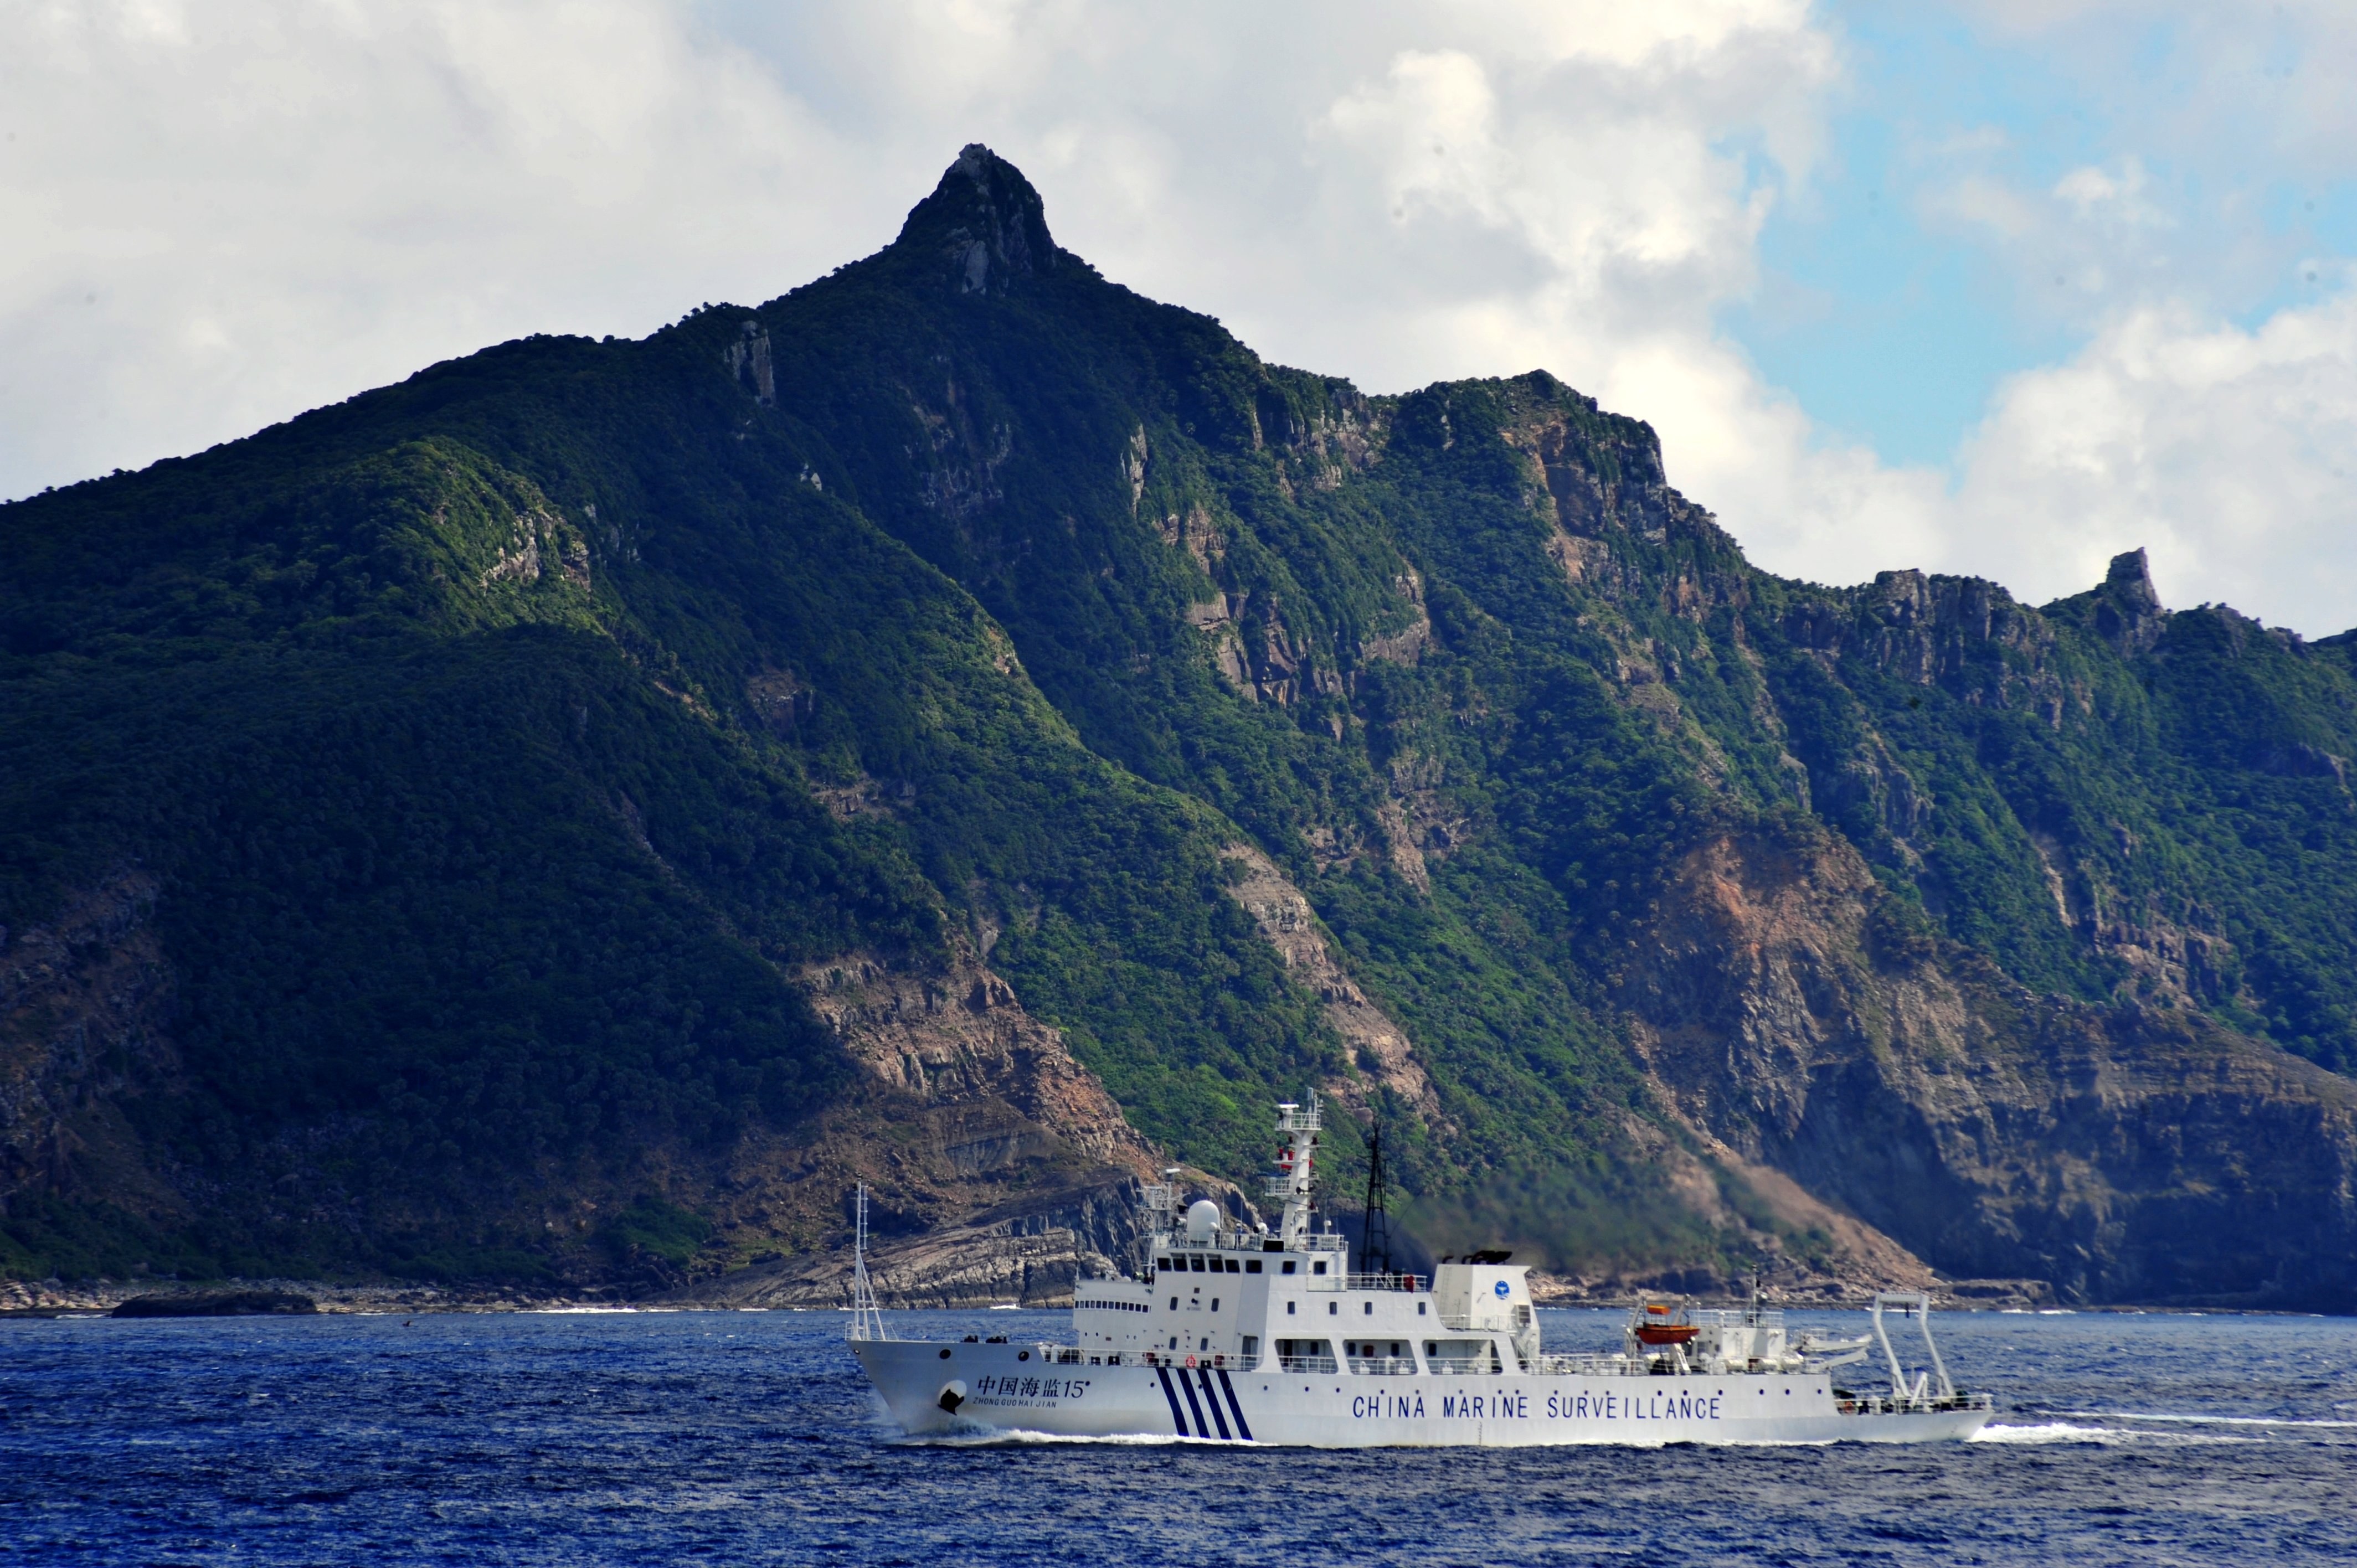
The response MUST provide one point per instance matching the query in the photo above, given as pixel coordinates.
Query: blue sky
(1892, 323)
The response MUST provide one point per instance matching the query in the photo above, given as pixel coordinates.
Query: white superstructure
(1235, 1334)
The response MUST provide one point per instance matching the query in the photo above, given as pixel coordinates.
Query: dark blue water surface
(752, 1437)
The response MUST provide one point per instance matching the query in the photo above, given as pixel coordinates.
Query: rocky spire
(985, 223)
(2128, 613)
(2130, 579)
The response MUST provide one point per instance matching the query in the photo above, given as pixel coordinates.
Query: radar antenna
(866, 1312)
(1375, 1240)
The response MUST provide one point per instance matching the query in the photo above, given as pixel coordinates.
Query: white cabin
(1216, 1294)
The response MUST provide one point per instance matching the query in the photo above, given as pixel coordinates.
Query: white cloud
(2232, 453)
(2096, 197)
(221, 216)
(218, 216)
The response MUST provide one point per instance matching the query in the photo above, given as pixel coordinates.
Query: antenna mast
(867, 1314)
(1375, 1240)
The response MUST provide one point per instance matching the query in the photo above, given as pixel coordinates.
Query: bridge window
(1234, 1267)
(1319, 1267)
(1196, 1264)
(1289, 1265)
(1252, 1267)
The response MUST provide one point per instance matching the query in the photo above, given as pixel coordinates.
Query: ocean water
(752, 1437)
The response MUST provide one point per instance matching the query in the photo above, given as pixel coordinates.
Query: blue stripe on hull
(1242, 1429)
(1177, 1418)
(1202, 1427)
(1212, 1398)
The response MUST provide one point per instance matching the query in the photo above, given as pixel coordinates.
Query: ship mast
(1375, 1234)
(1293, 1182)
(866, 1312)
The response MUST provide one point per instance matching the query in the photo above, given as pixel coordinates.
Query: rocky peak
(984, 221)
(2130, 580)
(2127, 611)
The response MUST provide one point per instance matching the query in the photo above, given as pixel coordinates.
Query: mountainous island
(965, 727)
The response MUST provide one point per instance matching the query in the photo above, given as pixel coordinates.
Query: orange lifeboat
(1660, 1323)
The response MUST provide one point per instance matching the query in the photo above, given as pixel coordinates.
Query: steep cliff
(2123, 1153)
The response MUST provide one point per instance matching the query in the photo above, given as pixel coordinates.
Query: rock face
(1377, 1045)
(998, 1086)
(86, 1002)
(974, 1122)
(2122, 1153)
(218, 1304)
(1030, 1252)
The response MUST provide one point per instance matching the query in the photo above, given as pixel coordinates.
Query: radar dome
(1202, 1218)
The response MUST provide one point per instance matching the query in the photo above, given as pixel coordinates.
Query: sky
(1989, 287)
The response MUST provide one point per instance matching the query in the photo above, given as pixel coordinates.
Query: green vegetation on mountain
(502, 747)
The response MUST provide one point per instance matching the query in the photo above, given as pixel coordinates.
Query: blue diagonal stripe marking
(1203, 1374)
(1177, 1419)
(1242, 1429)
(1202, 1427)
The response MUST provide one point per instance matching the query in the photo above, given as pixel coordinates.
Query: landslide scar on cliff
(1287, 923)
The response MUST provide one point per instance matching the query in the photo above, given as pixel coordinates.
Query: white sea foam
(2048, 1432)
(1017, 1435)
(2206, 1419)
(2068, 1432)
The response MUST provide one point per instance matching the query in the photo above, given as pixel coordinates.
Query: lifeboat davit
(1663, 1323)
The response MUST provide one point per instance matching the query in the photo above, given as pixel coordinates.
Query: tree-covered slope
(478, 774)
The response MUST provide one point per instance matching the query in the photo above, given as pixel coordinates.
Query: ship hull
(998, 1389)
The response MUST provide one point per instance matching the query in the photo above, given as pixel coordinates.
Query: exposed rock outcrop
(1028, 1254)
(1377, 1044)
(971, 1125)
(996, 1082)
(2122, 1153)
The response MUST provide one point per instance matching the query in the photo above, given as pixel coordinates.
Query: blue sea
(752, 1437)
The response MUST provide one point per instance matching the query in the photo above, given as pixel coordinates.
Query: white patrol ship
(1235, 1336)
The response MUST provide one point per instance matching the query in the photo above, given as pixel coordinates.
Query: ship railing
(1384, 1366)
(1383, 1282)
(1740, 1317)
(1306, 1364)
(1587, 1366)
(1481, 1366)
(1299, 1118)
(1890, 1405)
(1180, 1358)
